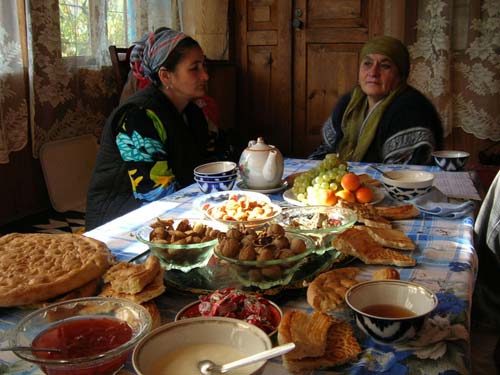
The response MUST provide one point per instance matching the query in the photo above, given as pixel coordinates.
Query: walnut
(298, 245)
(247, 253)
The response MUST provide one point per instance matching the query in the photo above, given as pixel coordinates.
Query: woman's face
(378, 75)
(189, 79)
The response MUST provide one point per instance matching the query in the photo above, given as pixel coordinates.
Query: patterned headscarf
(157, 48)
(392, 48)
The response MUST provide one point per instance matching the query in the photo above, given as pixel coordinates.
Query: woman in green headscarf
(383, 119)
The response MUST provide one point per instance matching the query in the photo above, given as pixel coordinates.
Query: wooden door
(291, 74)
(327, 37)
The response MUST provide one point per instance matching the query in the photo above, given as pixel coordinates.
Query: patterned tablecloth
(446, 264)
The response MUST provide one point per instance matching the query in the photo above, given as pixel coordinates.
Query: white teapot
(261, 165)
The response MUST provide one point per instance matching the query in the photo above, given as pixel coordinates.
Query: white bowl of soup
(176, 348)
(390, 311)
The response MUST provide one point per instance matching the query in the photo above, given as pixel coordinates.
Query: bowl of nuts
(182, 244)
(265, 258)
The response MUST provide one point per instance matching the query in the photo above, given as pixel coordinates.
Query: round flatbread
(36, 266)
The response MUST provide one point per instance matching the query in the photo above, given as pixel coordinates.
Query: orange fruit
(346, 195)
(325, 198)
(350, 181)
(364, 194)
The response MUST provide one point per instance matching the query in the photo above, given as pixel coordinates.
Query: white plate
(284, 184)
(289, 196)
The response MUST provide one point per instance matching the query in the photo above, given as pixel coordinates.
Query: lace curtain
(13, 82)
(456, 62)
(67, 96)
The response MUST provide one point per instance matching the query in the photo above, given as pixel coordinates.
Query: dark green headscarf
(357, 140)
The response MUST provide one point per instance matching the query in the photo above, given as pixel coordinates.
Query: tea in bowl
(390, 311)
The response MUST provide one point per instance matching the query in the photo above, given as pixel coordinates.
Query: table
(446, 264)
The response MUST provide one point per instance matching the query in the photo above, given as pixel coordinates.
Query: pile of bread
(320, 339)
(37, 269)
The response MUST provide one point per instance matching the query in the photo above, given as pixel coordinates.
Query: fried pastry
(393, 238)
(366, 214)
(132, 278)
(358, 243)
(386, 274)
(407, 211)
(340, 345)
(327, 291)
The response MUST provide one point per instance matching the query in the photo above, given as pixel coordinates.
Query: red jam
(82, 338)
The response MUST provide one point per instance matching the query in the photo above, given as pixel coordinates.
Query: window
(79, 26)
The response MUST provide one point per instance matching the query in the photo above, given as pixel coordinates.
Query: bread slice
(359, 243)
(366, 214)
(308, 332)
(393, 238)
(407, 211)
(132, 278)
(341, 347)
(327, 291)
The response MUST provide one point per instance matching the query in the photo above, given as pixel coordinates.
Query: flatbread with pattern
(36, 267)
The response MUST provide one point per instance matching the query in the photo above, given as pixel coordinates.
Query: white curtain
(456, 62)
(13, 79)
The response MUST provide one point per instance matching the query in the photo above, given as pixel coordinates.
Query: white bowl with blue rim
(451, 160)
(216, 168)
(407, 184)
(390, 311)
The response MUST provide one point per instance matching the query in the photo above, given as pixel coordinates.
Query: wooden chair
(120, 59)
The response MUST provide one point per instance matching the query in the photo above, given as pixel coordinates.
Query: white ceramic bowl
(169, 338)
(416, 298)
(221, 168)
(407, 184)
(451, 160)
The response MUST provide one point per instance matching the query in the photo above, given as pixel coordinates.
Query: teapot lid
(259, 145)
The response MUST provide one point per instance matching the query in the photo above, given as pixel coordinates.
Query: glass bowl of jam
(93, 335)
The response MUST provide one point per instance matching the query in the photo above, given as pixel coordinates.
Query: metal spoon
(207, 367)
(379, 170)
(28, 349)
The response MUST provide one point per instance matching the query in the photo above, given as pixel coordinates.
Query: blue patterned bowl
(217, 178)
(451, 160)
(216, 168)
(212, 186)
(390, 311)
(405, 185)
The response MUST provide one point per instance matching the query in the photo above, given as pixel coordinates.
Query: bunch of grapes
(316, 186)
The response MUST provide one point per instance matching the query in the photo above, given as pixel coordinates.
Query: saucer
(284, 184)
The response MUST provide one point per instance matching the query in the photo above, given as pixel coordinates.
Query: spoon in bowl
(28, 349)
(208, 367)
(379, 170)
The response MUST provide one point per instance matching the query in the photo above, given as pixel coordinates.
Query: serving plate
(289, 196)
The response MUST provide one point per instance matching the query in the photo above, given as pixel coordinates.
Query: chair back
(120, 59)
(67, 166)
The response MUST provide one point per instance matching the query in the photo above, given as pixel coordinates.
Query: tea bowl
(390, 311)
(451, 160)
(407, 184)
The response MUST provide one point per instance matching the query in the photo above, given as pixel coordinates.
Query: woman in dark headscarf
(151, 143)
(383, 119)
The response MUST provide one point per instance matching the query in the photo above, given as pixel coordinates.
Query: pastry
(393, 238)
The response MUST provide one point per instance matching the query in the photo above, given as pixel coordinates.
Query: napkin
(436, 203)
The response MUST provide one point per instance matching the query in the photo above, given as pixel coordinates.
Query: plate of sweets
(233, 303)
(238, 208)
